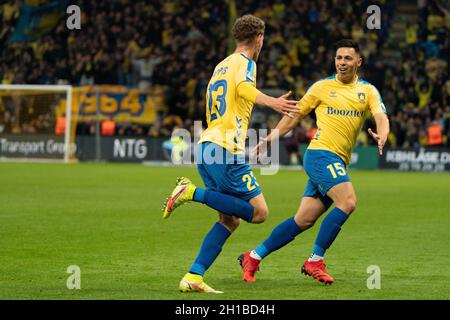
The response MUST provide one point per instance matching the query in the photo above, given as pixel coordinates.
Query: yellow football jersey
(341, 110)
(228, 114)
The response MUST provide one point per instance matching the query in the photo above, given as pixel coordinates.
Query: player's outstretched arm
(381, 136)
(281, 104)
(285, 125)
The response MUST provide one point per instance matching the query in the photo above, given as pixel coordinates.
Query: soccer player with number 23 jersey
(231, 187)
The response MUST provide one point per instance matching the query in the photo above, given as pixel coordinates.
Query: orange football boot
(317, 270)
(249, 266)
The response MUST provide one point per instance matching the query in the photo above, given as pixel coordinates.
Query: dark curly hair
(247, 28)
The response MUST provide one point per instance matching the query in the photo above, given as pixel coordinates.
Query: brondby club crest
(362, 97)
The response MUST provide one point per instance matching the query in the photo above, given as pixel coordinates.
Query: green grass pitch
(106, 219)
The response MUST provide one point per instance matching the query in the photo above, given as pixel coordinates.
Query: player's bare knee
(231, 223)
(349, 205)
(306, 224)
(303, 222)
(260, 214)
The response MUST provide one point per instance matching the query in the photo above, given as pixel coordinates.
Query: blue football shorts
(225, 172)
(325, 170)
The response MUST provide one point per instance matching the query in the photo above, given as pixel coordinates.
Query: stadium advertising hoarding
(120, 149)
(143, 149)
(423, 159)
(140, 149)
(33, 146)
(86, 148)
(364, 158)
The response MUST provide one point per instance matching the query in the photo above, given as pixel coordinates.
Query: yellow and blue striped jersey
(228, 114)
(341, 110)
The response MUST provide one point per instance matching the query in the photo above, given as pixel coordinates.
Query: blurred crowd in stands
(176, 45)
(419, 87)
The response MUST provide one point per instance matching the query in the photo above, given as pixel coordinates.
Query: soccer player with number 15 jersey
(342, 102)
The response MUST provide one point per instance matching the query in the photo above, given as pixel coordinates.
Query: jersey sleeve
(246, 72)
(247, 91)
(376, 104)
(310, 100)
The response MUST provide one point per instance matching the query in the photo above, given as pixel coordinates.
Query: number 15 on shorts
(336, 169)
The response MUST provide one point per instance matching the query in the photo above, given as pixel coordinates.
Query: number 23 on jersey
(219, 104)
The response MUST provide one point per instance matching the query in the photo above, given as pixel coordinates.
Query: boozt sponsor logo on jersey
(347, 113)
